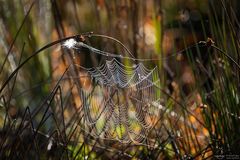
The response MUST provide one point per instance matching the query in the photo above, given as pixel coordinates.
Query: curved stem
(226, 55)
(114, 39)
(37, 52)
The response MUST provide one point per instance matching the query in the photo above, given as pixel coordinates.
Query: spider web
(123, 102)
(118, 105)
